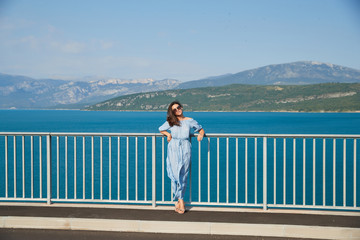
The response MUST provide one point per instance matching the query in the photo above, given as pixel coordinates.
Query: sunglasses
(177, 108)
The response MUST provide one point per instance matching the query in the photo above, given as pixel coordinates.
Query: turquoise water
(148, 122)
(213, 122)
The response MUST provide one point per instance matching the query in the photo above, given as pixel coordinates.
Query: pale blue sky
(184, 40)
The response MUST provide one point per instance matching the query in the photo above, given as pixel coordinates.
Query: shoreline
(86, 110)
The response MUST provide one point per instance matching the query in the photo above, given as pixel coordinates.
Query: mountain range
(27, 93)
(24, 92)
(297, 73)
(332, 97)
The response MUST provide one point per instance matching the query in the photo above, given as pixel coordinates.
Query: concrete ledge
(30, 222)
(239, 229)
(103, 225)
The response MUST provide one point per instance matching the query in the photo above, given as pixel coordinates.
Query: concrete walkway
(38, 234)
(145, 222)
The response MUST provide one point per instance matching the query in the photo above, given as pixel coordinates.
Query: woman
(179, 150)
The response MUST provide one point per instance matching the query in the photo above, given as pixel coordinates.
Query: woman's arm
(166, 133)
(201, 134)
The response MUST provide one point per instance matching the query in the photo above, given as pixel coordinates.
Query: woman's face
(177, 109)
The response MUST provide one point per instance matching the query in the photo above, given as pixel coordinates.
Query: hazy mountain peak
(295, 73)
(123, 81)
(23, 92)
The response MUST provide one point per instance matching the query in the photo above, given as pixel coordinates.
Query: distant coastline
(327, 97)
(222, 111)
(164, 111)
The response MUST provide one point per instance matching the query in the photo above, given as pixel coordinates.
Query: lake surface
(148, 122)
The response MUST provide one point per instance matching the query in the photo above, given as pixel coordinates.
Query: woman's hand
(201, 135)
(167, 134)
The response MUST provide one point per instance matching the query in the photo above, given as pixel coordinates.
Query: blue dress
(179, 154)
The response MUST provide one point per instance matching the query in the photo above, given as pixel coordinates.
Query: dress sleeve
(195, 125)
(164, 127)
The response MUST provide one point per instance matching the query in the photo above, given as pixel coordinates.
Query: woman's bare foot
(180, 207)
(176, 206)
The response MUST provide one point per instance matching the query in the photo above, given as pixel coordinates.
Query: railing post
(154, 171)
(48, 167)
(265, 173)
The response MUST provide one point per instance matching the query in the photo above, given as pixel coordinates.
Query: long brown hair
(171, 117)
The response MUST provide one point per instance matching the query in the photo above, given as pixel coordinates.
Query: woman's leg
(184, 170)
(183, 175)
(173, 165)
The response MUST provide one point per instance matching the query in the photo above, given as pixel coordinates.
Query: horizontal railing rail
(311, 171)
(192, 135)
